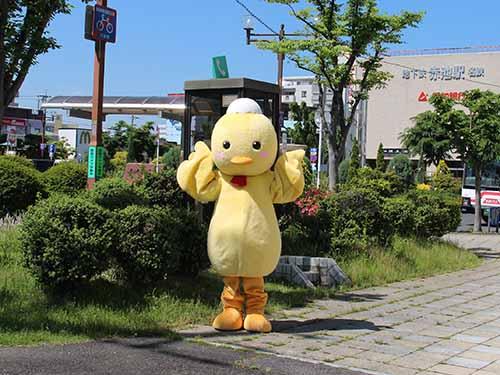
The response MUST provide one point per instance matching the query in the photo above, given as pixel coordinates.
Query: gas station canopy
(171, 106)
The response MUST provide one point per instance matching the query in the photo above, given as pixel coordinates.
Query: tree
(429, 138)
(401, 166)
(380, 162)
(116, 139)
(344, 49)
(141, 142)
(23, 37)
(304, 130)
(355, 161)
(473, 134)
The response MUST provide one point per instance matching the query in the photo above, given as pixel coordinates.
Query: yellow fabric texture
(243, 238)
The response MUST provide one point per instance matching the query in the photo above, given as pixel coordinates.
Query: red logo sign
(423, 97)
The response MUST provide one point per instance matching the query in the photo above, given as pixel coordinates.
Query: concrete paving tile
(494, 367)
(486, 349)
(472, 354)
(451, 370)
(470, 338)
(468, 362)
(420, 360)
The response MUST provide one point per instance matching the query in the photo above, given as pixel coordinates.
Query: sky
(162, 43)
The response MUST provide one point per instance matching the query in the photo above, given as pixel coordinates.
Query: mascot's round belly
(244, 238)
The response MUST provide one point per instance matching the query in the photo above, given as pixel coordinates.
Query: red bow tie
(239, 181)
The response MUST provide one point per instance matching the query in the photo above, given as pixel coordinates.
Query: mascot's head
(244, 141)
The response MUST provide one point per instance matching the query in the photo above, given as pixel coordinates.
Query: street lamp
(248, 27)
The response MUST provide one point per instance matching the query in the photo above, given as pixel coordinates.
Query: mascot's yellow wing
(288, 182)
(196, 176)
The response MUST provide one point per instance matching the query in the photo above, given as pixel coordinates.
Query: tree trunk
(3, 22)
(478, 210)
(332, 163)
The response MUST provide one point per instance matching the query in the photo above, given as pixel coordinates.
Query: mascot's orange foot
(228, 320)
(257, 323)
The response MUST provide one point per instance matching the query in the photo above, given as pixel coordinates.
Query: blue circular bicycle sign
(104, 24)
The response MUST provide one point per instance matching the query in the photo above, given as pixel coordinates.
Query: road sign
(42, 146)
(104, 24)
(313, 152)
(52, 148)
(219, 67)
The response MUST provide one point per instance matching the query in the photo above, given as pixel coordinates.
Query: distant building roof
(170, 106)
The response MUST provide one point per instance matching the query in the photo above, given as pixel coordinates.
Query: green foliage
(140, 142)
(24, 37)
(309, 180)
(19, 185)
(19, 160)
(304, 129)
(355, 220)
(162, 188)
(443, 180)
(116, 139)
(115, 193)
(154, 243)
(172, 158)
(67, 177)
(344, 171)
(380, 163)
(385, 184)
(435, 213)
(66, 241)
(401, 166)
(119, 161)
(354, 161)
(398, 214)
(340, 37)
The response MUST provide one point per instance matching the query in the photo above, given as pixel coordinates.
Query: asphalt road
(467, 224)
(150, 356)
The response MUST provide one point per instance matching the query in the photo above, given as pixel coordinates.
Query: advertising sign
(91, 162)
(99, 162)
(104, 24)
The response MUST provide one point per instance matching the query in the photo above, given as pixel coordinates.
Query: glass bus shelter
(207, 100)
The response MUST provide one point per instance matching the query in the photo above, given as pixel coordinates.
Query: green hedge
(115, 193)
(66, 240)
(162, 189)
(66, 177)
(19, 186)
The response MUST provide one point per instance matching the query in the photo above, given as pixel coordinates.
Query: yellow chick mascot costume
(244, 242)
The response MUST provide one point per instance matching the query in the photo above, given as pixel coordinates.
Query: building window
(304, 94)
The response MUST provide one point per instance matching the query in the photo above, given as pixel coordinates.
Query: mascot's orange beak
(241, 160)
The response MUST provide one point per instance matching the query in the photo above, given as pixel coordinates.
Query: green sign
(99, 163)
(219, 67)
(91, 163)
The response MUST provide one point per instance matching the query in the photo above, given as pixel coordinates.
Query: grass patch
(106, 309)
(407, 259)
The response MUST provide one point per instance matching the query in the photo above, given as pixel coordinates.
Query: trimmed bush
(155, 243)
(172, 157)
(115, 193)
(386, 184)
(344, 171)
(355, 220)
(435, 213)
(401, 165)
(18, 159)
(398, 213)
(66, 241)
(19, 186)
(66, 177)
(162, 189)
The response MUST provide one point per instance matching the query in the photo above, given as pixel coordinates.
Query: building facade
(416, 76)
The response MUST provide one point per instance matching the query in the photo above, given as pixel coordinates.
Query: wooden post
(97, 100)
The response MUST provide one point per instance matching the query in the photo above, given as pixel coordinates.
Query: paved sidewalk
(447, 324)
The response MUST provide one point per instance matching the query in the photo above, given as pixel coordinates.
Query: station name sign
(444, 73)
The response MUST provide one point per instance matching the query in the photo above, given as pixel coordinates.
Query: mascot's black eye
(256, 145)
(226, 144)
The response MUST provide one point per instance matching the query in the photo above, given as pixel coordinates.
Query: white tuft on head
(244, 105)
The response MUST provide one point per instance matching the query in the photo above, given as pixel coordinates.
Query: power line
(256, 17)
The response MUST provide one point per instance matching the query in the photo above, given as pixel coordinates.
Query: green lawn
(28, 316)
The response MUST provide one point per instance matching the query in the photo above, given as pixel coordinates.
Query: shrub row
(355, 219)
(70, 240)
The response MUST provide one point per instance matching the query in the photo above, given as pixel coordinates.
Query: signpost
(52, 151)
(100, 26)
